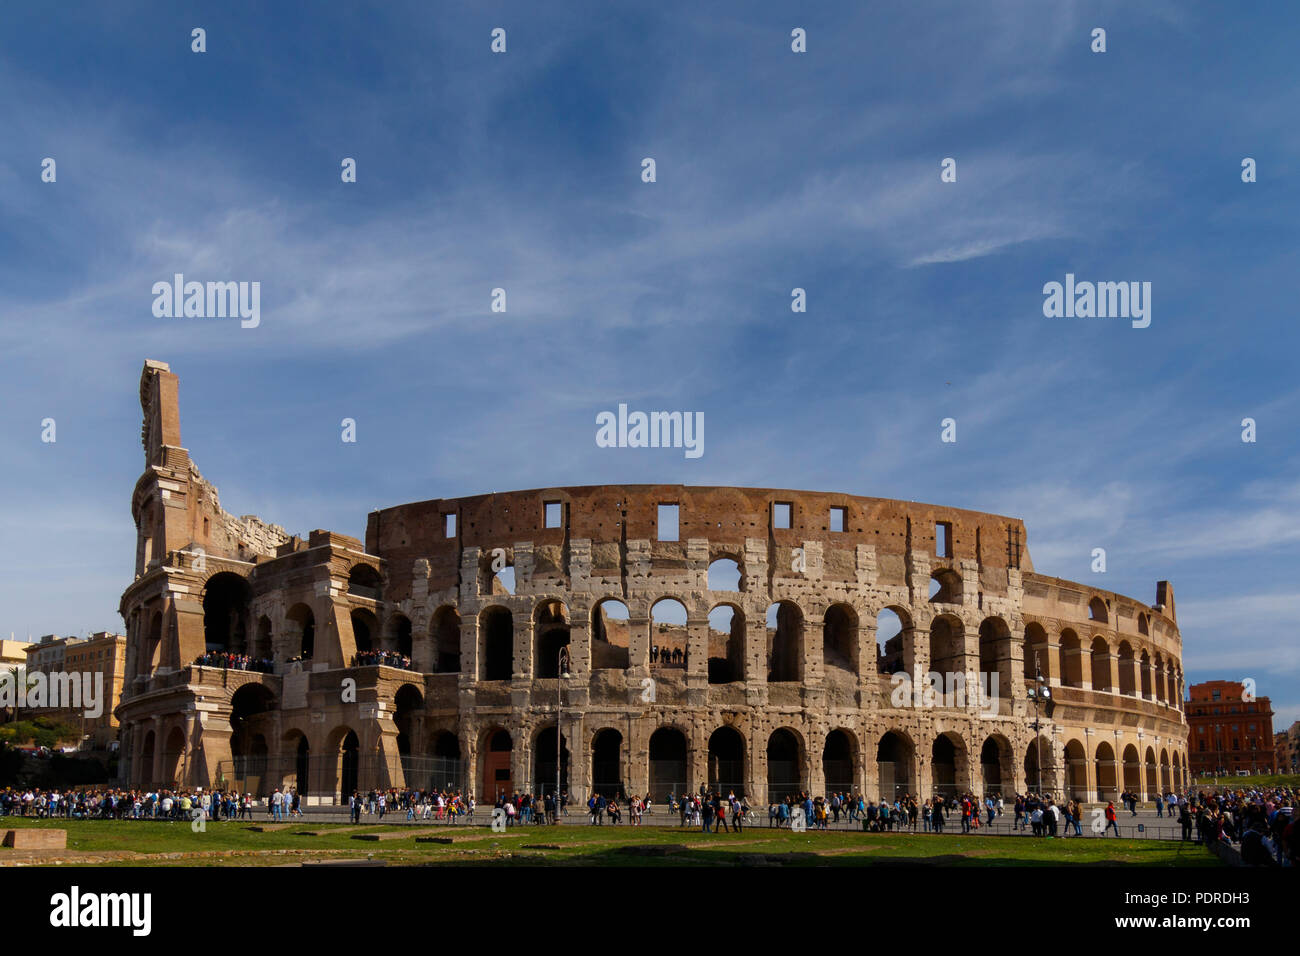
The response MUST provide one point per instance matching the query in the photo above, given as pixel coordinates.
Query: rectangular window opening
(837, 519)
(554, 514)
(943, 539)
(781, 511)
(668, 515)
(449, 525)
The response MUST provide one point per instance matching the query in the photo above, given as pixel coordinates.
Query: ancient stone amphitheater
(753, 639)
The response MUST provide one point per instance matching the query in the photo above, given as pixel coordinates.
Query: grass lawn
(1237, 783)
(232, 843)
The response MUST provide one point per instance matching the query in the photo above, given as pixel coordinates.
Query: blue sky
(775, 170)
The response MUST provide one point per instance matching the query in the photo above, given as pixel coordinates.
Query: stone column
(521, 664)
(1053, 662)
(697, 757)
(580, 647)
(697, 651)
(156, 771)
(576, 739)
(815, 760)
(1080, 660)
(755, 657)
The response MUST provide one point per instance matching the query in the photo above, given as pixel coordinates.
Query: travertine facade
(792, 697)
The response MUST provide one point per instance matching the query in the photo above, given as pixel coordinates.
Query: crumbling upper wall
(175, 507)
(609, 516)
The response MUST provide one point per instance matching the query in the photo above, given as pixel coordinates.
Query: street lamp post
(1037, 693)
(562, 672)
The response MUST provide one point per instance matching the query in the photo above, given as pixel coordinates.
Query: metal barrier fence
(330, 779)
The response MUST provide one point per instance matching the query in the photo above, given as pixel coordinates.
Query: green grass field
(1234, 783)
(142, 843)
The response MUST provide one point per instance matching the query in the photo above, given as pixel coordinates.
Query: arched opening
(1165, 783)
(1126, 678)
(668, 633)
(1105, 772)
(892, 625)
(446, 768)
(609, 635)
(1144, 626)
(1132, 770)
(948, 750)
(995, 758)
(446, 640)
(947, 645)
(174, 757)
(226, 598)
(144, 772)
(667, 764)
(364, 628)
(349, 765)
(247, 726)
(1151, 777)
(262, 646)
(1076, 771)
(1040, 767)
(301, 766)
(153, 643)
(496, 627)
(840, 639)
(544, 756)
(607, 763)
(894, 758)
(1097, 611)
(398, 639)
(1100, 665)
(364, 581)
(408, 705)
(1071, 659)
(1158, 678)
(784, 765)
(727, 762)
(726, 644)
(995, 657)
(496, 765)
(724, 575)
(784, 643)
(1144, 672)
(838, 764)
(1037, 660)
(497, 572)
(945, 586)
(301, 631)
(551, 625)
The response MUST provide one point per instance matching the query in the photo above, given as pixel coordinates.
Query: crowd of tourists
(1261, 821)
(710, 810)
(119, 804)
(445, 806)
(526, 808)
(236, 662)
(385, 658)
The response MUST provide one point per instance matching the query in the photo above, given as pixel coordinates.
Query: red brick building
(1229, 730)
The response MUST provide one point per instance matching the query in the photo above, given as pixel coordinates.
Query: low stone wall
(32, 838)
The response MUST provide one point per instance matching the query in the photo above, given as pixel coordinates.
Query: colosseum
(659, 637)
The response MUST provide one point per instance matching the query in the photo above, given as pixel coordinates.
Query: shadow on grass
(661, 855)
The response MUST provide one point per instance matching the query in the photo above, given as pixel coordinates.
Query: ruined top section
(726, 517)
(159, 400)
